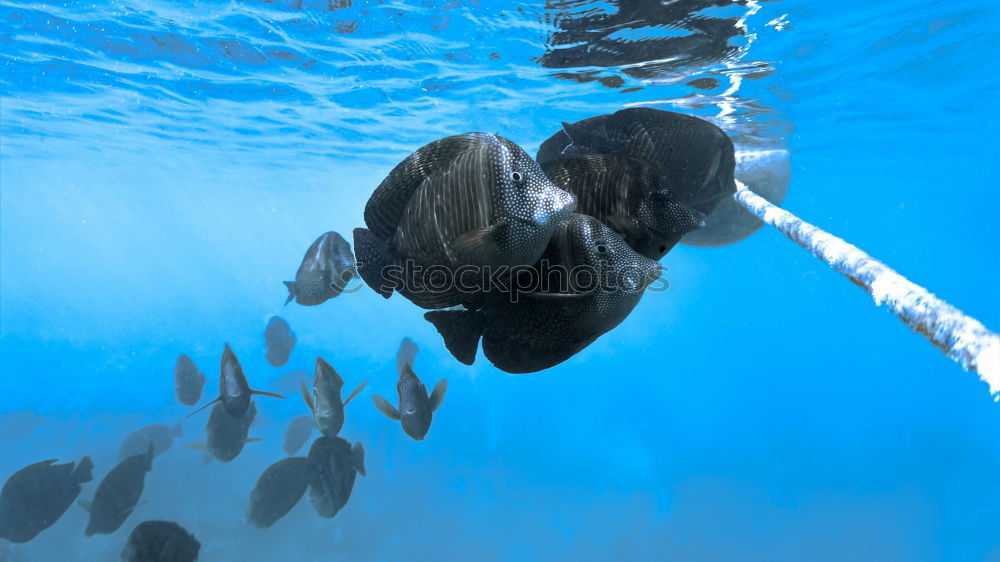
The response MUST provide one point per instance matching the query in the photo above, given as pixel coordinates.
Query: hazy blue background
(165, 165)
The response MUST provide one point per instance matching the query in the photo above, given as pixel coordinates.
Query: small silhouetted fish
(290, 382)
(36, 496)
(331, 469)
(118, 494)
(278, 341)
(278, 489)
(325, 401)
(472, 199)
(227, 434)
(628, 196)
(298, 432)
(695, 158)
(541, 329)
(234, 391)
(416, 408)
(160, 541)
(325, 271)
(161, 436)
(188, 381)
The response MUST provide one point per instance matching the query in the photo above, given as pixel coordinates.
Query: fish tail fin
(385, 407)
(372, 259)
(406, 354)
(326, 370)
(266, 393)
(356, 391)
(219, 399)
(82, 472)
(306, 396)
(358, 458)
(460, 329)
(177, 430)
(291, 291)
(437, 395)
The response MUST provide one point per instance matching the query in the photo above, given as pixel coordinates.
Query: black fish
(118, 494)
(278, 489)
(278, 341)
(325, 271)
(332, 466)
(627, 195)
(161, 436)
(694, 158)
(227, 434)
(325, 401)
(474, 199)
(540, 329)
(416, 408)
(188, 381)
(298, 432)
(160, 541)
(36, 496)
(234, 391)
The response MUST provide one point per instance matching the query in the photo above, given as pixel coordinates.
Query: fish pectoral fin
(196, 445)
(84, 504)
(265, 393)
(621, 224)
(460, 329)
(385, 407)
(437, 395)
(356, 391)
(203, 407)
(478, 246)
(291, 291)
(582, 141)
(253, 439)
(358, 457)
(306, 396)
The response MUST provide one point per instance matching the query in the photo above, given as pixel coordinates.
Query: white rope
(960, 337)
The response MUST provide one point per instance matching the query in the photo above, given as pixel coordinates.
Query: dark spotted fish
(416, 408)
(543, 328)
(694, 158)
(278, 341)
(118, 493)
(227, 434)
(324, 401)
(137, 442)
(160, 541)
(325, 271)
(36, 496)
(332, 466)
(188, 381)
(472, 199)
(297, 433)
(278, 489)
(628, 196)
(234, 390)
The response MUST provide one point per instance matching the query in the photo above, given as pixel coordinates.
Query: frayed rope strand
(960, 337)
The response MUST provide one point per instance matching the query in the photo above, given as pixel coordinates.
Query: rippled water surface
(164, 165)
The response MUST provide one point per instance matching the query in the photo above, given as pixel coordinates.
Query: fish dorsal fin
(583, 141)
(356, 391)
(437, 395)
(307, 396)
(460, 329)
(385, 407)
(557, 297)
(217, 399)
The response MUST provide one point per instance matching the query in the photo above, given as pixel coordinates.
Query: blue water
(165, 164)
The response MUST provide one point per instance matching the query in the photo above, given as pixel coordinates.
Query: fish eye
(602, 249)
(516, 176)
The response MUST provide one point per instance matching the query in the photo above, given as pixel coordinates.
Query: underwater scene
(387, 280)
